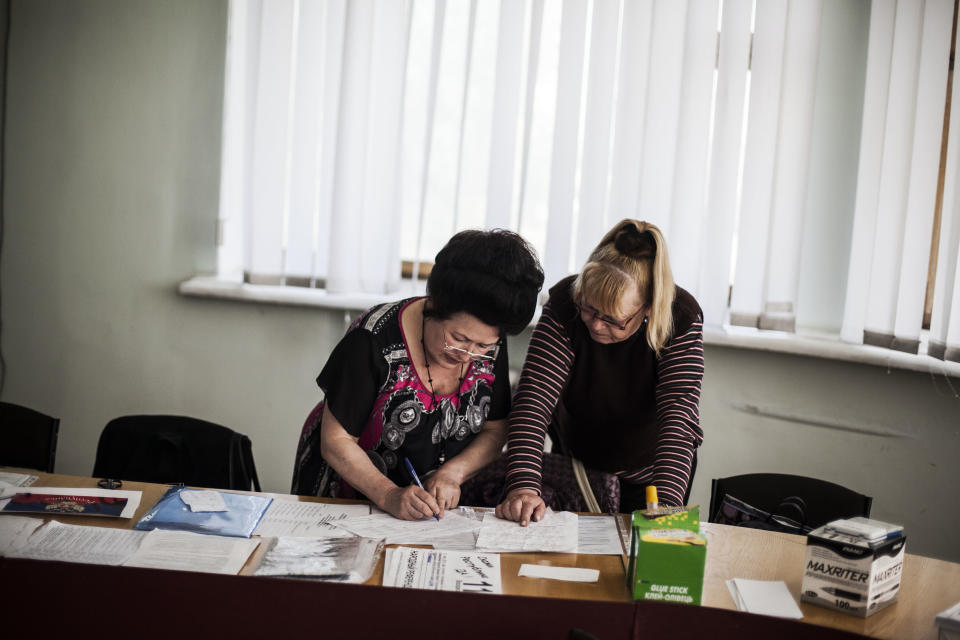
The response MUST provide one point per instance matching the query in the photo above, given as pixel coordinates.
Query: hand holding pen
(416, 478)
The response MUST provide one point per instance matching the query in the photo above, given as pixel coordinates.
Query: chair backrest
(823, 501)
(28, 438)
(175, 449)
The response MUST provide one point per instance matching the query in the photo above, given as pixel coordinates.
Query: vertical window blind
(359, 134)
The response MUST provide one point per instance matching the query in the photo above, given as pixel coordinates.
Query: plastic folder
(171, 512)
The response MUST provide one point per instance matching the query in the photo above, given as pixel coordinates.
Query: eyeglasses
(589, 314)
(489, 355)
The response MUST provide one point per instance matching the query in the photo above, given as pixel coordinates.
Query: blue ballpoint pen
(413, 474)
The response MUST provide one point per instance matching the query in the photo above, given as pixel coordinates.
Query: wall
(111, 196)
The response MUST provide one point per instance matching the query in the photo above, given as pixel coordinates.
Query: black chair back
(28, 438)
(175, 449)
(822, 501)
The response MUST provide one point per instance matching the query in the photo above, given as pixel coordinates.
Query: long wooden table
(603, 608)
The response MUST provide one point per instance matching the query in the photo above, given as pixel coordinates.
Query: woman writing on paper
(425, 380)
(613, 371)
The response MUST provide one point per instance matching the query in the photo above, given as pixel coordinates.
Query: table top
(928, 585)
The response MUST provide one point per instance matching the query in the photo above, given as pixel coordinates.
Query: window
(788, 150)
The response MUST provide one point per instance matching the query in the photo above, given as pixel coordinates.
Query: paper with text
(187, 551)
(556, 532)
(599, 535)
(396, 531)
(76, 543)
(11, 479)
(204, 501)
(307, 519)
(442, 570)
(14, 532)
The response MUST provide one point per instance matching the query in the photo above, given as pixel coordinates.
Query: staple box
(667, 555)
(854, 565)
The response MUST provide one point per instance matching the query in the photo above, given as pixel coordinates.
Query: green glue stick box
(667, 555)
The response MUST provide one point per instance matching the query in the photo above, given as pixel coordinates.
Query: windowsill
(815, 345)
(828, 346)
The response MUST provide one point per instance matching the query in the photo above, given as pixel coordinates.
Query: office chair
(28, 438)
(809, 501)
(175, 449)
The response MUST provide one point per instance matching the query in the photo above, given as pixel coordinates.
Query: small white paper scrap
(768, 598)
(570, 574)
(203, 501)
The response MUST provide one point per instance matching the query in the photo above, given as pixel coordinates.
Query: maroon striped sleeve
(546, 369)
(680, 373)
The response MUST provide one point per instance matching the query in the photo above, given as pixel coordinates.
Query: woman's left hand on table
(444, 488)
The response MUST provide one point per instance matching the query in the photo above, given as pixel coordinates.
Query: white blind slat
(894, 170)
(725, 159)
(876, 88)
(693, 144)
(326, 146)
(759, 162)
(348, 193)
(506, 115)
(662, 113)
(592, 221)
(800, 56)
(628, 138)
(563, 162)
(533, 59)
(924, 169)
(945, 315)
(378, 262)
(268, 179)
(239, 86)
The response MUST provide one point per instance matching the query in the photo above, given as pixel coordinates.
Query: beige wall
(111, 196)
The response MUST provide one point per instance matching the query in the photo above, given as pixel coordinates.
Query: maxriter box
(667, 555)
(854, 565)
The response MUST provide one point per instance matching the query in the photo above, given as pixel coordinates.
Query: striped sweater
(556, 357)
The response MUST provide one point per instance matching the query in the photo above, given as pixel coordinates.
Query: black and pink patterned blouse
(372, 388)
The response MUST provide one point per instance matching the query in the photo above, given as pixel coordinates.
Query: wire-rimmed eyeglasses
(588, 313)
(489, 355)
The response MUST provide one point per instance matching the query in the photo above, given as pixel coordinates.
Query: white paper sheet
(129, 510)
(599, 535)
(188, 551)
(556, 532)
(769, 598)
(11, 479)
(569, 574)
(307, 519)
(203, 501)
(76, 543)
(442, 570)
(396, 531)
(14, 531)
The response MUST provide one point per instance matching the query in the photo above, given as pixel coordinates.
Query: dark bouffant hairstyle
(492, 275)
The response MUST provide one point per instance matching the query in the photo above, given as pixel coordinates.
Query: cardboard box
(854, 565)
(667, 555)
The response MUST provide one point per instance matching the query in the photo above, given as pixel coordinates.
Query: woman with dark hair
(613, 371)
(425, 380)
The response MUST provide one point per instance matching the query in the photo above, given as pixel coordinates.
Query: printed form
(557, 531)
(396, 531)
(307, 519)
(473, 572)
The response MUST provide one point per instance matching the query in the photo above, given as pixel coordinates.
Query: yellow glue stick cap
(651, 494)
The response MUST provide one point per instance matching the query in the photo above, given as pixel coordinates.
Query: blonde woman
(613, 372)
